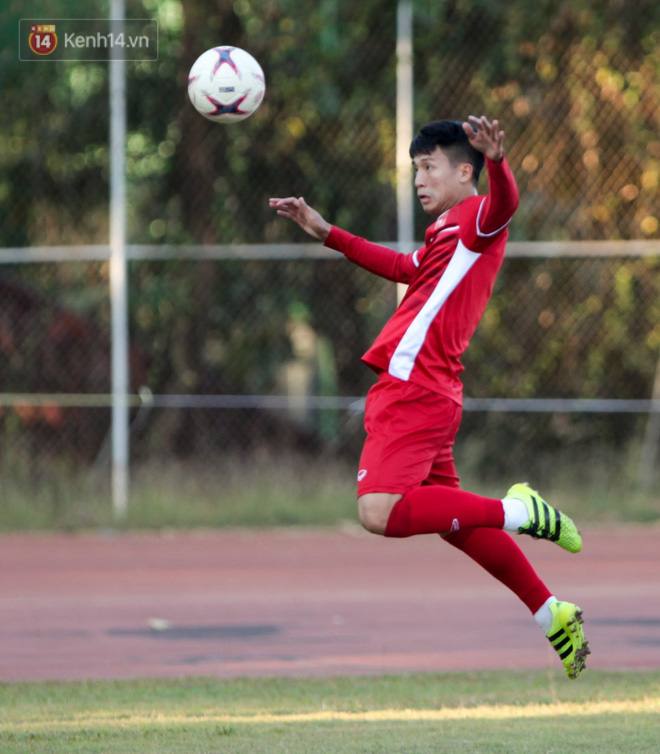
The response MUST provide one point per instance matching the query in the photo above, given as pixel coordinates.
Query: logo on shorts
(361, 474)
(455, 526)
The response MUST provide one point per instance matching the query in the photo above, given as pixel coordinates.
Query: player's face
(440, 185)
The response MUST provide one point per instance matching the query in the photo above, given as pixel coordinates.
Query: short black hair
(452, 139)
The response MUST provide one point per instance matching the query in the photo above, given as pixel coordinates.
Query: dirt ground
(305, 603)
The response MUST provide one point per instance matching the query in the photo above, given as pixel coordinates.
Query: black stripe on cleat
(546, 521)
(536, 510)
(555, 536)
(563, 650)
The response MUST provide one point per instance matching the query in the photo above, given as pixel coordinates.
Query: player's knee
(371, 518)
(374, 511)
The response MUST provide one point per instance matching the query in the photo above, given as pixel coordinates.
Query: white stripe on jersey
(403, 358)
(495, 232)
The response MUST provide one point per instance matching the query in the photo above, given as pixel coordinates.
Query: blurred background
(245, 338)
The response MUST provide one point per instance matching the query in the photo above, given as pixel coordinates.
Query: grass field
(261, 492)
(490, 712)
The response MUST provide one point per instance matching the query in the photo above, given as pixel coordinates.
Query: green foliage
(611, 304)
(574, 85)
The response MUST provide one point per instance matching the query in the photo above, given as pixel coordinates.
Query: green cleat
(546, 522)
(567, 637)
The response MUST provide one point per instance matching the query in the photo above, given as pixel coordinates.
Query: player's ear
(466, 171)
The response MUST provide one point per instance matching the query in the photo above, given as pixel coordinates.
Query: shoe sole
(580, 660)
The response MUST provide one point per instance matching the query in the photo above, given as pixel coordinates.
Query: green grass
(261, 491)
(498, 712)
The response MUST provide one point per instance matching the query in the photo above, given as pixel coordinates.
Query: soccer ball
(226, 84)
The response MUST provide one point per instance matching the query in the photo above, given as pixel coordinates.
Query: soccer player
(407, 481)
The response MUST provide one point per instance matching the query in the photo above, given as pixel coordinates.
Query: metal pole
(118, 277)
(404, 129)
(651, 442)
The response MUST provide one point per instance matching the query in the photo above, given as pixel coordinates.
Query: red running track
(304, 603)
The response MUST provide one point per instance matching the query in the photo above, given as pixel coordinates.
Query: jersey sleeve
(489, 215)
(380, 260)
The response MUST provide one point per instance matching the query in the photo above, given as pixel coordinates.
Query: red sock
(436, 509)
(496, 551)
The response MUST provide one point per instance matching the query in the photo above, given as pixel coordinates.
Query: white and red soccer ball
(226, 84)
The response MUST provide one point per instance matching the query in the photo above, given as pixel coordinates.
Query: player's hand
(309, 219)
(486, 137)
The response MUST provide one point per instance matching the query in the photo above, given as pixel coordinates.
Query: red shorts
(410, 438)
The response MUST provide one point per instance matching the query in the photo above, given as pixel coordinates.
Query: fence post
(118, 276)
(404, 129)
(651, 438)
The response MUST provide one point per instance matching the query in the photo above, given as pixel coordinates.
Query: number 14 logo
(43, 39)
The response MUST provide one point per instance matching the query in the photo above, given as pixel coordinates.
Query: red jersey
(450, 280)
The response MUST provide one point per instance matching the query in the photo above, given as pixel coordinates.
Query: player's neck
(457, 198)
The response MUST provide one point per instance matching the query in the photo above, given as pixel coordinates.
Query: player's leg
(374, 509)
(436, 509)
(493, 549)
(496, 552)
(400, 446)
(405, 425)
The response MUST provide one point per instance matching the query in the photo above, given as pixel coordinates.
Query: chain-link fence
(237, 354)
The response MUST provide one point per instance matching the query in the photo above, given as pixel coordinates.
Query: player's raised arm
(377, 259)
(502, 198)
(296, 209)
